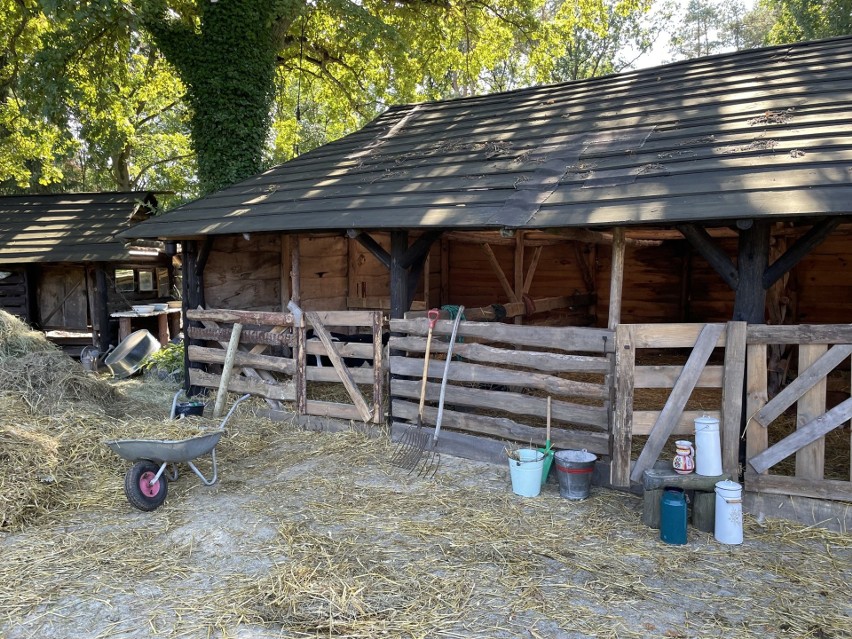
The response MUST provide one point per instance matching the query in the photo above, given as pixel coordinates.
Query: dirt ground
(317, 535)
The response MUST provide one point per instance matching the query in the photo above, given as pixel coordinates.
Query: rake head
(414, 453)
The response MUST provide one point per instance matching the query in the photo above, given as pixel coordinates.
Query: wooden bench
(702, 488)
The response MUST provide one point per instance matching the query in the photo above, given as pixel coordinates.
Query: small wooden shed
(64, 270)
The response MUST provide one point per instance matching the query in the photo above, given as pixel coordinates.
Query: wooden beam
(597, 237)
(616, 282)
(800, 248)
(804, 435)
(419, 249)
(700, 239)
(374, 248)
(498, 271)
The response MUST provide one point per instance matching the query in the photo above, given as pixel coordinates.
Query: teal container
(673, 516)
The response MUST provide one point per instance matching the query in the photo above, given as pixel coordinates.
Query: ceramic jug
(684, 459)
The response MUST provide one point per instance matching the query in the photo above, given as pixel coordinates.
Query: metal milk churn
(673, 515)
(729, 512)
(708, 448)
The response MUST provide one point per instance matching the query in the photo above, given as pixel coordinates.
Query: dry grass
(317, 535)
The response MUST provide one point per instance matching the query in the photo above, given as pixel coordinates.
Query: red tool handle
(433, 316)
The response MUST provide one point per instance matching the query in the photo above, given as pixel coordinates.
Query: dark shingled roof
(69, 227)
(765, 132)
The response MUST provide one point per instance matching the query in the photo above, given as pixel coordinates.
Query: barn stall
(658, 226)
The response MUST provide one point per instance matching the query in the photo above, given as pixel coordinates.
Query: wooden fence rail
(500, 378)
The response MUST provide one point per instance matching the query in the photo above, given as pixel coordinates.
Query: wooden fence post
(732, 396)
(621, 406)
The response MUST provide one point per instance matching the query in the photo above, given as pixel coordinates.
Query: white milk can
(729, 512)
(708, 448)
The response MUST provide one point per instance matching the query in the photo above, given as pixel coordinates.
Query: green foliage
(169, 359)
(809, 19)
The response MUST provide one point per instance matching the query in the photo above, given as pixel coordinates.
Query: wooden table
(168, 323)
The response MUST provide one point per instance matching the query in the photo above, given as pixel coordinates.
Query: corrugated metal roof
(765, 132)
(70, 227)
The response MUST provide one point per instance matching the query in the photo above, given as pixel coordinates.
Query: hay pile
(54, 418)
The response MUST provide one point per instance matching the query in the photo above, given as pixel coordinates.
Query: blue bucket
(525, 467)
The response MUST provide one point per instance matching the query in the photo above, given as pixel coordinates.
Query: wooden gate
(659, 425)
(822, 349)
(283, 374)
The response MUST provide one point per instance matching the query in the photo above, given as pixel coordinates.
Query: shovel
(547, 451)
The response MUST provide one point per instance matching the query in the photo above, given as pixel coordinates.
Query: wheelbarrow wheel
(141, 493)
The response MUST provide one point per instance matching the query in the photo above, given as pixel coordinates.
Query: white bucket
(729, 512)
(525, 467)
(708, 447)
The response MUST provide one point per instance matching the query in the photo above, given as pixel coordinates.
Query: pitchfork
(410, 447)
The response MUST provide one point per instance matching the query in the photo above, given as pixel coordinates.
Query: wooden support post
(810, 460)
(295, 270)
(227, 368)
(757, 439)
(286, 259)
(102, 306)
(753, 258)
(519, 271)
(621, 406)
(378, 369)
(398, 274)
(616, 282)
(444, 297)
(732, 396)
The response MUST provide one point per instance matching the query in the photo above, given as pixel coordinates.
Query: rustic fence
(268, 352)
(500, 378)
(822, 349)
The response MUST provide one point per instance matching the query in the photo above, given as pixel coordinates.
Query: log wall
(664, 281)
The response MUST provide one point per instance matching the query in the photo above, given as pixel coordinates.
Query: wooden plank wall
(500, 378)
(13, 291)
(244, 273)
(663, 283)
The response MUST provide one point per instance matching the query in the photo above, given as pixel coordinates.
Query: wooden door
(62, 298)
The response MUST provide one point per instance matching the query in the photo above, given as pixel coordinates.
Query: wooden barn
(684, 229)
(64, 270)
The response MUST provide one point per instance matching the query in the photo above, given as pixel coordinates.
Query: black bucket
(185, 409)
(574, 469)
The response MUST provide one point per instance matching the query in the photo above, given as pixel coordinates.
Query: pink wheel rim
(148, 489)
